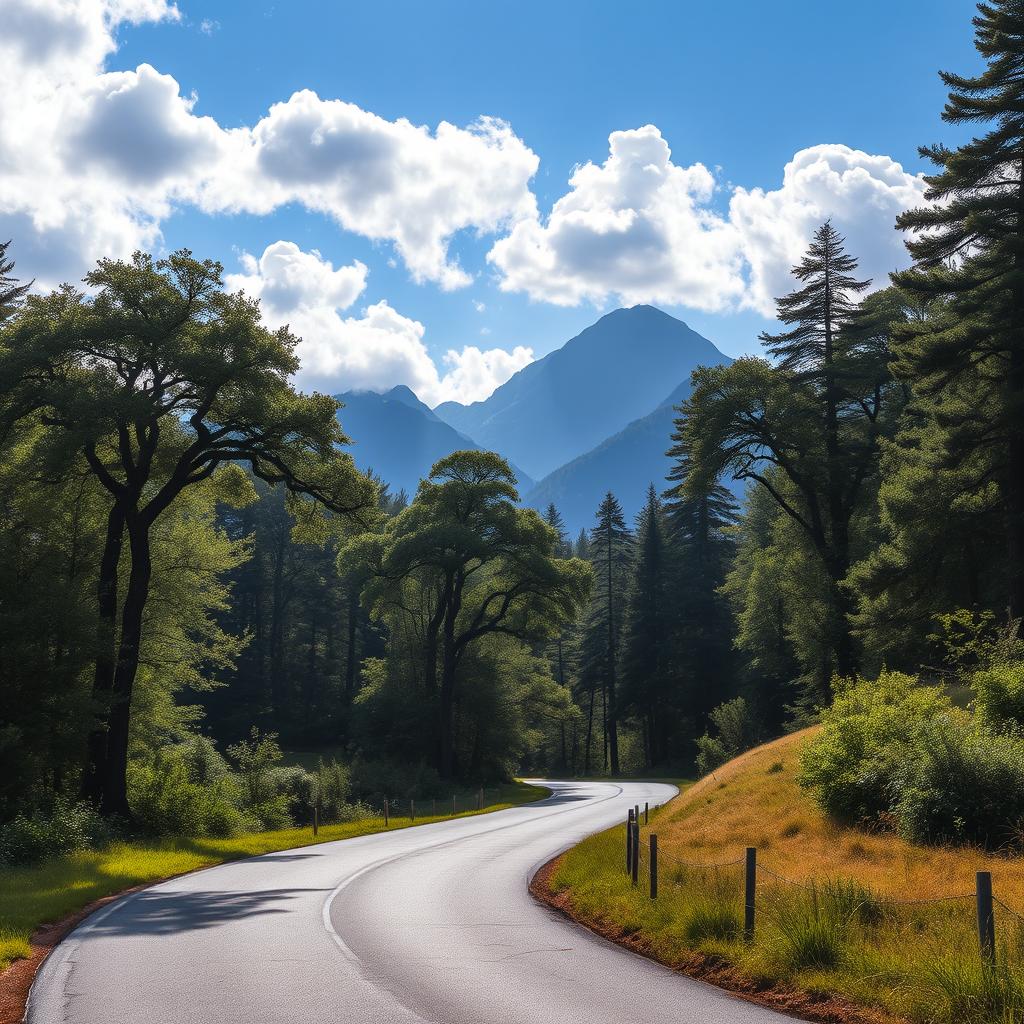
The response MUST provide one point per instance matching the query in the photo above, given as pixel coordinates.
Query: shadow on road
(164, 913)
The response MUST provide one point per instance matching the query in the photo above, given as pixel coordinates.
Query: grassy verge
(48, 892)
(834, 918)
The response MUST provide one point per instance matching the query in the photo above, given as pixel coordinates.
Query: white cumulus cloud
(639, 228)
(93, 161)
(374, 350)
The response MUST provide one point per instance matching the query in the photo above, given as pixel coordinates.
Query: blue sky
(738, 88)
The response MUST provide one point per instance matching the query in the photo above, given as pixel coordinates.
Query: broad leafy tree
(463, 563)
(157, 379)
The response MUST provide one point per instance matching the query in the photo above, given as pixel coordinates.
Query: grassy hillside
(837, 937)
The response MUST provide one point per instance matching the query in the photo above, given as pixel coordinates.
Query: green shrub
(262, 794)
(66, 828)
(964, 784)
(737, 731)
(166, 802)
(868, 734)
(712, 753)
(999, 695)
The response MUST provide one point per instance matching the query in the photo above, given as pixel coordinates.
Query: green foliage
(167, 801)
(868, 734)
(999, 695)
(64, 829)
(460, 565)
(962, 784)
(737, 731)
(265, 791)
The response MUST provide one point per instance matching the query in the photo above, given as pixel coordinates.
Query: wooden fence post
(385, 812)
(316, 820)
(629, 842)
(647, 811)
(750, 885)
(636, 853)
(654, 866)
(986, 917)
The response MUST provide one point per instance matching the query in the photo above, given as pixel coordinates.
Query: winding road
(428, 924)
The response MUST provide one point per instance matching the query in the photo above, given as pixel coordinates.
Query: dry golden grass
(844, 939)
(756, 800)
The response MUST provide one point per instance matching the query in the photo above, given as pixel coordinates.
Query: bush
(262, 793)
(999, 695)
(737, 731)
(964, 784)
(867, 736)
(166, 801)
(333, 786)
(67, 828)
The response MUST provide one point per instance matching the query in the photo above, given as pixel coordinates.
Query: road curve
(429, 924)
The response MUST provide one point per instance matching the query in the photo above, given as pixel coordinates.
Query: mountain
(624, 463)
(399, 438)
(597, 384)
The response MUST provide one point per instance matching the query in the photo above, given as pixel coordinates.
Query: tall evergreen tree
(646, 633)
(811, 350)
(815, 417)
(11, 292)
(699, 524)
(967, 367)
(562, 648)
(611, 550)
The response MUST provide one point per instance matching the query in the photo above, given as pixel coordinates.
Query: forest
(195, 579)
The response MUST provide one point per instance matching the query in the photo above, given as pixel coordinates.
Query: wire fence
(738, 897)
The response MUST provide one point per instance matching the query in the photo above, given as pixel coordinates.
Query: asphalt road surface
(428, 924)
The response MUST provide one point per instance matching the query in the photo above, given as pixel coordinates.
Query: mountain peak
(611, 373)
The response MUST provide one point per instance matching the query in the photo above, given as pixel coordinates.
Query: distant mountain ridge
(399, 438)
(569, 402)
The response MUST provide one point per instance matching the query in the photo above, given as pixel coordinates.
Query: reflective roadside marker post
(385, 812)
(647, 811)
(653, 865)
(629, 842)
(750, 882)
(986, 918)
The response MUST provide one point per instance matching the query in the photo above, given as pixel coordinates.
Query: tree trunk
(115, 780)
(106, 657)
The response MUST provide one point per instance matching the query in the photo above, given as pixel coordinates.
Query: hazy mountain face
(562, 406)
(397, 436)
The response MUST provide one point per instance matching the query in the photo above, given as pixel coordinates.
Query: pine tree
(968, 247)
(611, 548)
(702, 549)
(563, 547)
(811, 350)
(562, 649)
(582, 546)
(816, 416)
(11, 293)
(645, 645)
